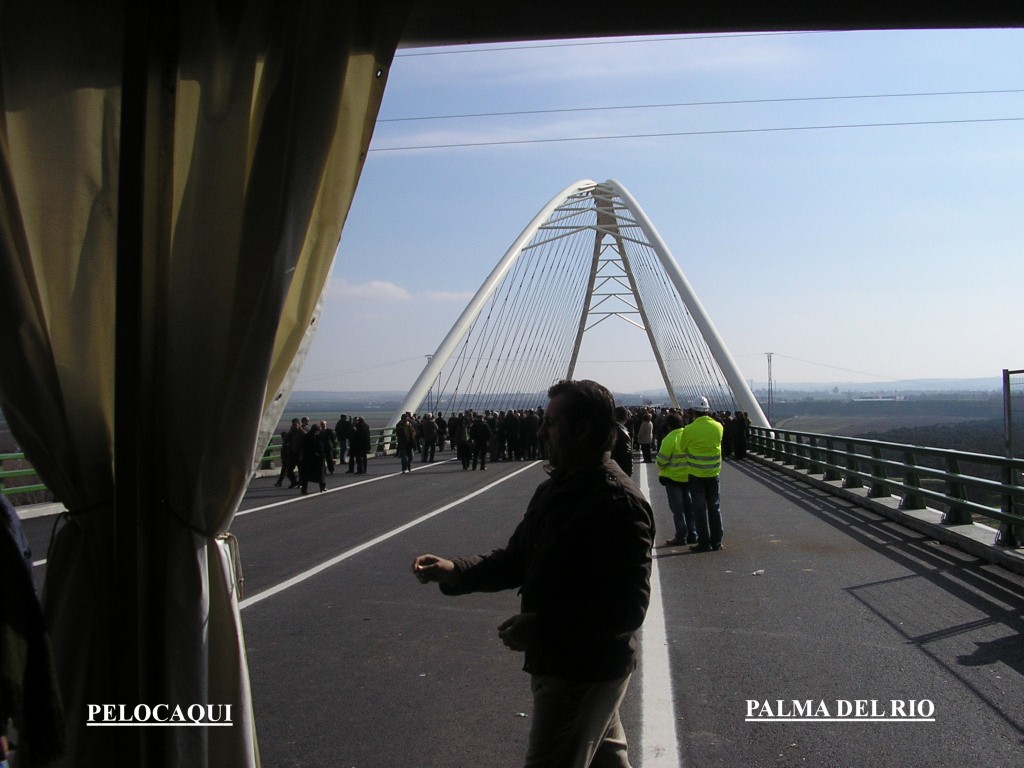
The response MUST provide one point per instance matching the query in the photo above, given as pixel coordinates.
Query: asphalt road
(813, 606)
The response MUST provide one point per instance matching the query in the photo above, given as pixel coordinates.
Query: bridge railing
(17, 477)
(964, 487)
(19, 481)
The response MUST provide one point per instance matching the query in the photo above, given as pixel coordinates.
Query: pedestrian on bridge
(701, 440)
(359, 444)
(581, 559)
(429, 433)
(405, 438)
(480, 435)
(645, 436)
(313, 465)
(674, 475)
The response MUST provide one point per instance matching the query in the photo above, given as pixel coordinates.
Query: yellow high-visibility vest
(671, 459)
(701, 441)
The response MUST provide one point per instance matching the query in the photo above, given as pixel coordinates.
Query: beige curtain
(252, 148)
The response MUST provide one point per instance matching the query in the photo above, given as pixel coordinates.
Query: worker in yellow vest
(701, 441)
(673, 474)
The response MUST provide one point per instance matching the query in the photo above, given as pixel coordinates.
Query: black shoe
(700, 548)
(674, 542)
(716, 547)
(691, 539)
(277, 484)
(294, 485)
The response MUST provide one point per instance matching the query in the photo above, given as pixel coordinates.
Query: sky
(850, 202)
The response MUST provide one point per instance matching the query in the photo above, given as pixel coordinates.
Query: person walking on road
(428, 429)
(645, 437)
(360, 444)
(313, 466)
(480, 435)
(405, 441)
(581, 560)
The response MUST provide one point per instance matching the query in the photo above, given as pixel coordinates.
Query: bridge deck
(812, 600)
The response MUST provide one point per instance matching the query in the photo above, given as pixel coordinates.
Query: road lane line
(309, 496)
(660, 746)
(308, 574)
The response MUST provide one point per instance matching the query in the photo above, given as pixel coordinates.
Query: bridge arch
(589, 255)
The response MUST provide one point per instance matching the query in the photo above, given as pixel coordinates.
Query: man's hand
(428, 568)
(520, 632)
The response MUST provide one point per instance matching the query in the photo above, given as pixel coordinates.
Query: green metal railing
(15, 467)
(964, 487)
(21, 469)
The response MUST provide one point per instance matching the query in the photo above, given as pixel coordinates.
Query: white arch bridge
(590, 255)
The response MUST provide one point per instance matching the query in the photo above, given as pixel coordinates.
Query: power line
(718, 132)
(883, 379)
(732, 102)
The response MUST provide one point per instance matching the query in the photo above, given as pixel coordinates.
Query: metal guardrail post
(852, 479)
(832, 473)
(955, 514)
(912, 479)
(814, 465)
(1008, 535)
(785, 453)
(800, 454)
(879, 486)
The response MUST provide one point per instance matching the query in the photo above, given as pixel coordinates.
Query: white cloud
(375, 290)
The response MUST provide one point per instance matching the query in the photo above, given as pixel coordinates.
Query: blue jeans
(706, 505)
(406, 456)
(682, 514)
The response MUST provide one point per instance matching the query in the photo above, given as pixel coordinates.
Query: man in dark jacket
(480, 434)
(581, 558)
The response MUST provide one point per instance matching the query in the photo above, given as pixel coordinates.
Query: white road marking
(310, 573)
(308, 496)
(660, 746)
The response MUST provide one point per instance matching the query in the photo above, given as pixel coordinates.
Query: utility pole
(771, 387)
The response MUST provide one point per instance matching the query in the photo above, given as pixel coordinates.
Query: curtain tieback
(231, 542)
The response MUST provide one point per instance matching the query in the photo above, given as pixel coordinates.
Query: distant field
(853, 426)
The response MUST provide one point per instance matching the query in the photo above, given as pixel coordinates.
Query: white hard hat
(700, 404)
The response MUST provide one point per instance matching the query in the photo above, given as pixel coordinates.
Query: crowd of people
(311, 451)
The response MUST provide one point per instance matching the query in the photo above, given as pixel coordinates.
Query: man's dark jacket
(581, 558)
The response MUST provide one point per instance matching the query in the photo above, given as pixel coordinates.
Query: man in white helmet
(701, 440)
